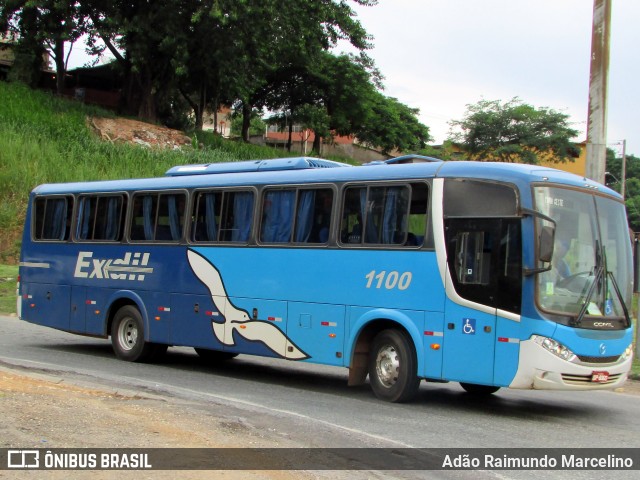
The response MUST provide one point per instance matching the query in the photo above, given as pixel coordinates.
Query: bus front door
(483, 260)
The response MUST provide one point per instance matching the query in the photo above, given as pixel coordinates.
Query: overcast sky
(441, 55)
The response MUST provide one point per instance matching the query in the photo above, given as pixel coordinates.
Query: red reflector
(503, 339)
(324, 324)
(430, 334)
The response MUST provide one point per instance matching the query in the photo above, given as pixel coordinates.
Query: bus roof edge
(293, 163)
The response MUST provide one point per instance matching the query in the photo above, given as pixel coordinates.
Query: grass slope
(45, 139)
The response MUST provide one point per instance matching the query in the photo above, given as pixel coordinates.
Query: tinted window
(385, 215)
(474, 198)
(222, 216)
(100, 218)
(158, 217)
(300, 215)
(52, 218)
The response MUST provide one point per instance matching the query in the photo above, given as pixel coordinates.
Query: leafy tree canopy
(514, 132)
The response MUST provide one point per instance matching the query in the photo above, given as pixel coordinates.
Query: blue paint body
(321, 298)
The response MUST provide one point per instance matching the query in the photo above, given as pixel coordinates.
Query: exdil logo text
(133, 266)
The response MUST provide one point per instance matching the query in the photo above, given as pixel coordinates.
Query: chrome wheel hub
(387, 365)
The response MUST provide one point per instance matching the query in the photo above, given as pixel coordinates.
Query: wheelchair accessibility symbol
(469, 326)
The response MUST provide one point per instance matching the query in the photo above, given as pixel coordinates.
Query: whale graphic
(238, 320)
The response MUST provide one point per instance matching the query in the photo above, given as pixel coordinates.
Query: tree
(42, 25)
(514, 132)
(302, 32)
(392, 125)
(148, 41)
(632, 184)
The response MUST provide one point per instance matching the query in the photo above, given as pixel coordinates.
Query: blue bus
(487, 274)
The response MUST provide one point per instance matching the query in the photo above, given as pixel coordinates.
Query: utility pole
(597, 114)
(624, 168)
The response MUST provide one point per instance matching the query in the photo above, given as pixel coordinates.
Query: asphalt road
(313, 402)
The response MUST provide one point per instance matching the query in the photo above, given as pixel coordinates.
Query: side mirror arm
(544, 247)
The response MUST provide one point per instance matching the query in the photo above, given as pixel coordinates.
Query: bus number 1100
(389, 280)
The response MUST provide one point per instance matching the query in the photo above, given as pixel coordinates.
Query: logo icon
(23, 459)
(603, 349)
(469, 326)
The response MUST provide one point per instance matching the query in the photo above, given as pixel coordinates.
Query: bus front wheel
(127, 336)
(393, 367)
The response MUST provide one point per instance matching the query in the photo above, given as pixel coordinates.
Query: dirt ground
(44, 411)
(123, 130)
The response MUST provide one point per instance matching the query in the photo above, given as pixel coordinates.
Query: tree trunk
(147, 108)
(58, 54)
(290, 139)
(317, 142)
(129, 99)
(246, 120)
(197, 111)
(201, 107)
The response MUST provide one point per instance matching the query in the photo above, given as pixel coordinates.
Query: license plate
(600, 377)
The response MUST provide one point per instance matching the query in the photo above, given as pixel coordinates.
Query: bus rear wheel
(393, 367)
(479, 390)
(127, 337)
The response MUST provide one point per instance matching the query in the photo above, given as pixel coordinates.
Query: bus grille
(587, 359)
(586, 379)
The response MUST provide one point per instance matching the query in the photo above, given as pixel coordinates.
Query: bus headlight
(554, 347)
(628, 353)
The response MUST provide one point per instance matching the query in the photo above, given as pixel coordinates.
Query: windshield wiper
(599, 273)
(602, 274)
(600, 269)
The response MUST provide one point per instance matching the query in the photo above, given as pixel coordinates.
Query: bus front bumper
(542, 370)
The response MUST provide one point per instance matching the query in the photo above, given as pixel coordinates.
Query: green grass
(635, 368)
(8, 278)
(46, 139)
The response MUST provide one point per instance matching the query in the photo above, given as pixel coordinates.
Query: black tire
(479, 390)
(127, 337)
(214, 356)
(393, 367)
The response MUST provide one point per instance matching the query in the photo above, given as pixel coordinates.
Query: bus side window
(157, 217)
(313, 218)
(299, 216)
(53, 218)
(143, 217)
(206, 220)
(100, 218)
(237, 216)
(385, 215)
(170, 221)
(278, 207)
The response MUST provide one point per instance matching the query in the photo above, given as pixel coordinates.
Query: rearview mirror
(547, 239)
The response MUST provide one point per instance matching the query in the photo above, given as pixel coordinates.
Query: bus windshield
(591, 268)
